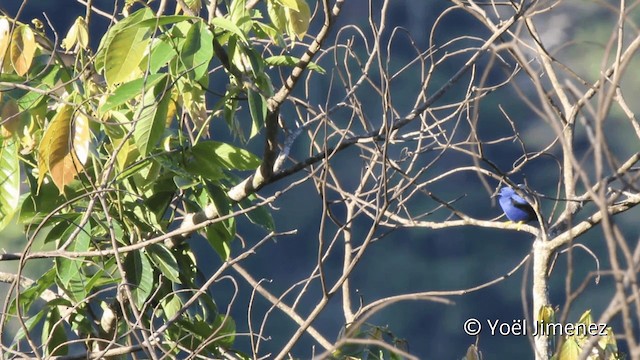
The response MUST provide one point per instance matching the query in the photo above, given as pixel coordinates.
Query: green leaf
(287, 60)
(277, 15)
(166, 20)
(69, 270)
(124, 51)
(122, 25)
(225, 155)
(9, 181)
(162, 51)
(227, 25)
(152, 117)
(31, 294)
(220, 235)
(139, 276)
(130, 90)
(260, 216)
(30, 323)
(165, 261)
(197, 50)
(54, 334)
(258, 110)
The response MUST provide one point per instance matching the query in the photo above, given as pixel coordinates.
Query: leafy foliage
(121, 152)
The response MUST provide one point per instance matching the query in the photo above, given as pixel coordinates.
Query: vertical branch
(540, 293)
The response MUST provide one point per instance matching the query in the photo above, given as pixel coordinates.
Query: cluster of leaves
(572, 344)
(97, 158)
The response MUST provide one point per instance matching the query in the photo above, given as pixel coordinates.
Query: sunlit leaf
(56, 154)
(298, 21)
(570, 350)
(125, 49)
(78, 34)
(131, 20)
(5, 31)
(9, 180)
(81, 137)
(225, 155)
(22, 48)
(277, 15)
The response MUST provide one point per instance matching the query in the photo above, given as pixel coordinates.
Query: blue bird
(515, 207)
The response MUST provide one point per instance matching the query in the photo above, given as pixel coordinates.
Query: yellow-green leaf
(291, 4)
(56, 154)
(585, 318)
(276, 14)
(124, 53)
(298, 21)
(78, 34)
(570, 350)
(9, 116)
(9, 180)
(23, 49)
(5, 30)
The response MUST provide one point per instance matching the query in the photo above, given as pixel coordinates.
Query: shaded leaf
(227, 25)
(258, 110)
(165, 261)
(287, 60)
(53, 334)
(139, 274)
(197, 50)
(151, 117)
(130, 90)
(220, 235)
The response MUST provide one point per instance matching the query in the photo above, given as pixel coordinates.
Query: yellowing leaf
(5, 30)
(291, 4)
(78, 34)
(9, 117)
(298, 21)
(22, 48)
(56, 153)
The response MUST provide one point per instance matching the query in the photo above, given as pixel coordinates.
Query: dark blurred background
(411, 260)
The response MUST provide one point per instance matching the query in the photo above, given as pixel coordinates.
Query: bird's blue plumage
(514, 206)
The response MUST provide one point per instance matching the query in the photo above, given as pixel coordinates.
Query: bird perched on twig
(515, 207)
